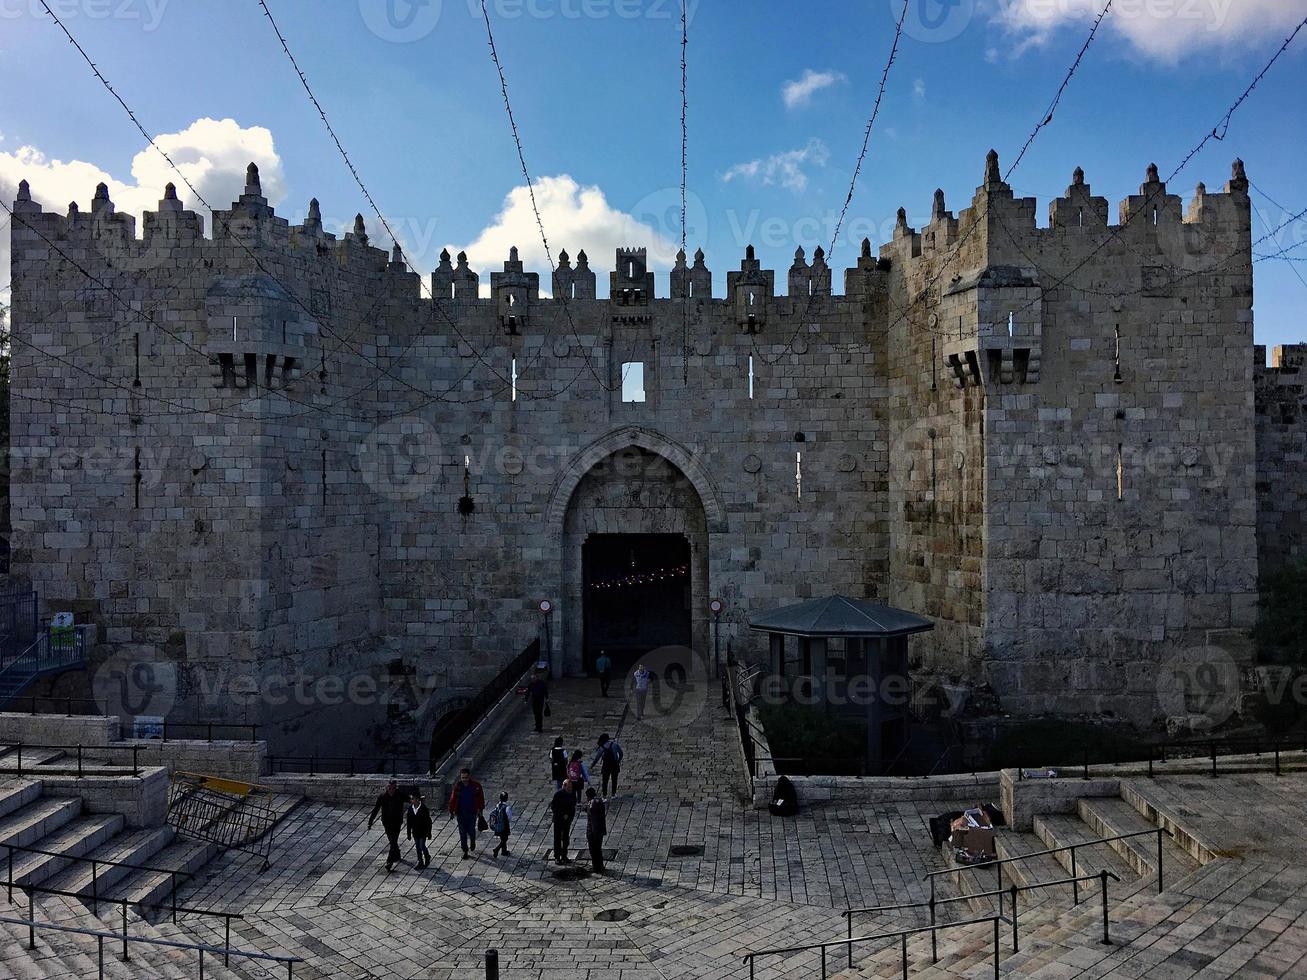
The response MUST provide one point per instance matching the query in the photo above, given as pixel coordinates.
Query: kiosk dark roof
(839, 615)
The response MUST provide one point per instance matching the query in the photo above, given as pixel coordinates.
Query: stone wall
(1281, 455)
(268, 461)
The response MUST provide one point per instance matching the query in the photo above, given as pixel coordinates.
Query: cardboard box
(978, 840)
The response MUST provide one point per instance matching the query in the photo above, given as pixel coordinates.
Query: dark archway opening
(637, 595)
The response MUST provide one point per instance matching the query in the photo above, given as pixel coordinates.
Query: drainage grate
(686, 850)
(571, 874)
(612, 915)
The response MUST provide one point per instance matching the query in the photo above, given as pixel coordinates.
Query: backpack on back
(497, 820)
(613, 751)
(575, 771)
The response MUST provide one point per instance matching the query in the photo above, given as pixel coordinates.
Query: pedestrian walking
(537, 694)
(596, 828)
(558, 763)
(578, 775)
(390, 806)
(501, 825)
(641, 685)
(563, 807)
(609, 760)
(604, 668)
(466, 804)
(418, 820)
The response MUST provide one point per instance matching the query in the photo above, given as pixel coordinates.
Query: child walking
(501, 825)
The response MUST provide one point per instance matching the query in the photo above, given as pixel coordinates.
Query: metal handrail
(88, 860)
(511, 692)
(902, 935)
(32, 926)
(1013, 890)
(1053, 850)
(78, 749)
(175, 909)
(209, 727)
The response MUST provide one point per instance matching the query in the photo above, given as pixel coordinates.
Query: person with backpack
(596, 829)
(418, 820)
(609, 759)
(577, 775)
(604, 668)
(563, 808)
(466, 803)
(501, 825)
(558, 763)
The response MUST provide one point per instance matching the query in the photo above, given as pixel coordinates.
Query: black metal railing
(174, 910)
(100, 936)
(78, 758)
(36, 704)
(998, 863)
(453, 729)
(1012, 892)
(1158, 753)
(95, 863)
(902, 935)
(176, 731)
(343, 765)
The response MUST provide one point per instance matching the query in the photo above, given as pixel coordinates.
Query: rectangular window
(633, 381)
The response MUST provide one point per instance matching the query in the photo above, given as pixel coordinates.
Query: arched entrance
(634, 550)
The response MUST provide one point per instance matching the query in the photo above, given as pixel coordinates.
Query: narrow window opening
(690, 293)
(751, 376)
(750, 298)
(452, 290)
(1120, 473)
(324, 478)
(136, 478)
(573, 291)
(1116, 354)
(1154, 214)
(1011, 323)
(934, 365)
(512, 300)
(283, 333)
(514, 377)
(798, 476)
(233, 329)
(630, 270)
(633, 381)
(1080, 217)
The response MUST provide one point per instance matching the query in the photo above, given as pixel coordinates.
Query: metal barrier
(32, 926)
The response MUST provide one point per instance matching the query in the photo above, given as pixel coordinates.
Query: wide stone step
(18, 793)
(152, 890)
(1112, 817)
(38, 819)
(74, 840)
(101, 879)
(57, 955)
(1063, 831)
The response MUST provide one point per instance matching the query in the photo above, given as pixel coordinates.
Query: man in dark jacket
(596, 828)
(563, 807)
(391, 807)
(537, 693)
(418, 820)
(466, 803)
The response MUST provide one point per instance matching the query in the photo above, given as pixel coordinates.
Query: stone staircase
(59, 826)
(1049, 921)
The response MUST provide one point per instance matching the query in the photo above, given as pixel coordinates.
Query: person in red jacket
(466, 804)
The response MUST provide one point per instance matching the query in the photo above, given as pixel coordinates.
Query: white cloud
(211, 153)
(919, 88)
(575, 218)
(1164, 29)
(786, 169)
(800, 91)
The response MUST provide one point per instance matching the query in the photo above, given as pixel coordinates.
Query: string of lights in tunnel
(671, 573)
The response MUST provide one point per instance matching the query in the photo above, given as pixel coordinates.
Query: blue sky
(595, 86)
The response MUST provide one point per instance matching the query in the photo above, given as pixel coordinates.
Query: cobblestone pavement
(758, 881)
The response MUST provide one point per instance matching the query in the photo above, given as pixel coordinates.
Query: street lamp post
(716, 606)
